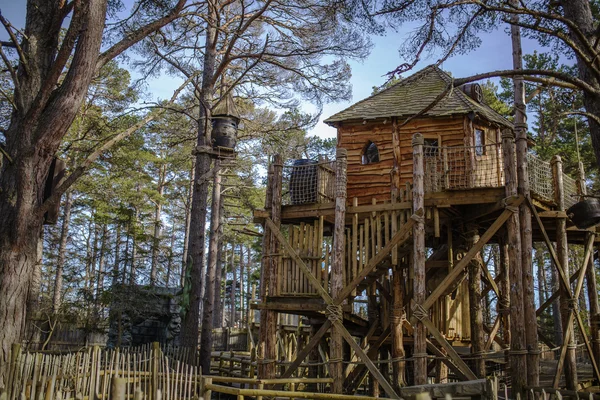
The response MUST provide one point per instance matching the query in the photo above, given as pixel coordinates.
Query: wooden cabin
(384, 244)
(377, 132)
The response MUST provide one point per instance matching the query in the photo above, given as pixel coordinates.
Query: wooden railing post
(117, 388)
(155, 364)
(419, 289)
(15, 352)
(562, 252)
(518, 349)
(337, 268)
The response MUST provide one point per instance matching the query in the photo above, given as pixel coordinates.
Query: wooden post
(155, 363)
(419, 289)
(518, 347)
(337, 267)
(268, 318)
(475, 306)
(117, 388)
(562, 253)
(396, 319)
(504, 286)
(531, 337)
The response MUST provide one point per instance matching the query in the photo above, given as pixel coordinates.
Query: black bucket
(224, 132)
(586, 213)
(303, 182)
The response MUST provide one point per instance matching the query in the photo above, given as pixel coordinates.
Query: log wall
(395, 166)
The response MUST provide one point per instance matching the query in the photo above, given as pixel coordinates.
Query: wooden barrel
(586, 213)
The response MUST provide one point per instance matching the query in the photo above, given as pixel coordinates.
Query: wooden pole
(531, 328)
(475, 306)
(268, 318)
(518, 346)
(337, 266)
(419, 289)
(504, 287)
(396, 328)
(562, 252)
(117, 388)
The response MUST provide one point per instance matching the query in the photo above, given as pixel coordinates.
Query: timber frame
(414, 261)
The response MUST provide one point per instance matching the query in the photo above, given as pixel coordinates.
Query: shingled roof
(412, 95)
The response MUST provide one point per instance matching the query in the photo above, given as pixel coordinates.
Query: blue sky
(494, 54)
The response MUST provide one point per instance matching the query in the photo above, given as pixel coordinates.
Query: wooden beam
(440, 354)
(473, 251)
(311, 278)
(397, 240)
(372, 368)
(314, 341)
(493, 333)
(460, 364)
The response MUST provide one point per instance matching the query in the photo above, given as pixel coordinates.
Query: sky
(495, 53)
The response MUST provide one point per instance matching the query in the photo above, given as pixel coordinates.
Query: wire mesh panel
(540, 177)
(452, 168)
(308, 181)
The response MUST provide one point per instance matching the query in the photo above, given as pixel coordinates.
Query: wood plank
(399, 238)
(473, 251)
(460, 364)
(372, 368)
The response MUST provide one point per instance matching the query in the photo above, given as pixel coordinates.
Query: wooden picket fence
(145, 372)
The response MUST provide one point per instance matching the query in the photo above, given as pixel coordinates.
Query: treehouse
(384, 244)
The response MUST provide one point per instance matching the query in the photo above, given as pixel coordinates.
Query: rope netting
(308, 181)
(540, 177)
(570, 188)
(451, 168)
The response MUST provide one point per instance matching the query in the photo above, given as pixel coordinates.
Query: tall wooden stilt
(518, 347)
(419, 290)
(397, 316)
(504, 299)
(267, 350)
(337, 267)
(562, 253)
(476, 308)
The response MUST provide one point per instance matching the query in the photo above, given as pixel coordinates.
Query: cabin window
(431, 146)
(371, 154)
(479, 142)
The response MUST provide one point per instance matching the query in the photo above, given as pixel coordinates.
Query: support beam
(566, 299)
(419, 258)
(462, 264)
(336, 351)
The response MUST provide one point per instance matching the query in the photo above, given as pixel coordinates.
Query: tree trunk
(475, 304)
(233, 288)
(396, 327)
(188, 214)
(62, 251)
(531, 338)
(580, 13)
(157, 226)
(196, 256)
(209, 297)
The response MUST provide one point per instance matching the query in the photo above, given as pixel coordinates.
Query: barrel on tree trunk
(586, 213)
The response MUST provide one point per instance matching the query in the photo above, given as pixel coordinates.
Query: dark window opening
(371, 154)
(431, 146)
(479, 142)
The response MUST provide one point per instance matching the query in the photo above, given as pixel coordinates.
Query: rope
(334, 312)
(419, 312)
